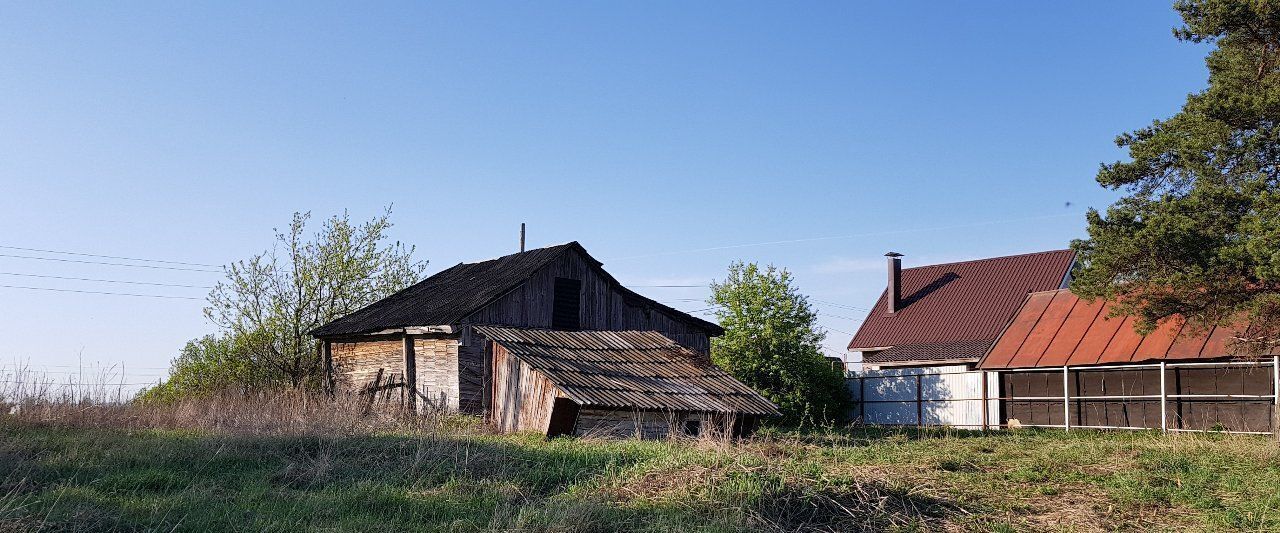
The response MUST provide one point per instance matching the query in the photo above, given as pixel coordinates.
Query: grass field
(111, 472)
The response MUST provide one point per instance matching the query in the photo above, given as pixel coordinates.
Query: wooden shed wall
(437, 364)
(522, 397)
(530, 305)
(355, 364)
(627, 423)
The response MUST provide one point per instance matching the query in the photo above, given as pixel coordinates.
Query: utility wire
(93, 370)
(101, 292)
(851, 236)
(99, 366)
(844, 306)
(835, 330)
(110, 264)
(106, 256)
(107, 280)
(77, 383)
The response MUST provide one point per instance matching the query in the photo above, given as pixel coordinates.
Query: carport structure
(1063, 362)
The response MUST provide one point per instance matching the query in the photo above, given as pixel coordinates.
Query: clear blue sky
(643, 131)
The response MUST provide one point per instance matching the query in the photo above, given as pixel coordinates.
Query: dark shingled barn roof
(629, 370)
(955, 311)
(450, 295)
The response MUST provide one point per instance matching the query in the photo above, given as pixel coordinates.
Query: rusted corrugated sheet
(1099, 334)
(962, 305)
(628, 369)
(1120, 345)
(1057, 328)
(1002, 353)
(1072, 331)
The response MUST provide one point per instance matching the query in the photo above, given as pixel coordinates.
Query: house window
(566, 310)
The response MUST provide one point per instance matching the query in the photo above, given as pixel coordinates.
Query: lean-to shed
(613, 383)
(1063, 362)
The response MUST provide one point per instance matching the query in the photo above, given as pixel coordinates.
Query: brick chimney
(894, 302)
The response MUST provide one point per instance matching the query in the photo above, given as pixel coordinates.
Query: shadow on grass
(98, 479)
(104, 479)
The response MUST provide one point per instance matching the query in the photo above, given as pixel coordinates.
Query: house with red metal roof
(1067, 362)
(924, 335)
(951, 313)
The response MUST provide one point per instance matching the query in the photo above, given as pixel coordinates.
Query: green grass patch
(106, 479)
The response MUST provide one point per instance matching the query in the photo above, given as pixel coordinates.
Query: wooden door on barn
(564, 416)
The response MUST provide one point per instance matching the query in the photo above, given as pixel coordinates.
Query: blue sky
(649, 132)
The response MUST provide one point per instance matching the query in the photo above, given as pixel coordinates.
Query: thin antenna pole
(522, 236)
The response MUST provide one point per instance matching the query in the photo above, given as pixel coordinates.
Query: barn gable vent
(566, 310)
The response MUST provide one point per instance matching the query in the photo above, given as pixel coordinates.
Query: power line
(106, 256)
(101, 292)
(835, 330)
(670, 286)
(91, 370)
(159, 267)
(99, 366)
(78, 383)
(840, 305)
(851, 236)
(107, 280)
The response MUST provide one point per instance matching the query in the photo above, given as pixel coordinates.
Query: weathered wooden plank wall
(356, 363)
(624, 423)
(437, 362)
(522, 397)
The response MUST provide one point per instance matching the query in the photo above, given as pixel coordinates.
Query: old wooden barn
(424, 338)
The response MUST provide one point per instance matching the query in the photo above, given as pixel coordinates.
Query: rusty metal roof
(629, 370)
(1057, 328)
(956, 306)
(451, 294)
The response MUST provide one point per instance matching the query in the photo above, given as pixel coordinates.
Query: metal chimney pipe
(522, 236)
(894, 290)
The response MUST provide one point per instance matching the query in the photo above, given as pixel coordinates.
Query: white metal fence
(926, 396)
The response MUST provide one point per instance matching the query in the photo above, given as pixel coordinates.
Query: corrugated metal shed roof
(629, 370)
(450, 295)
(939, 351)
(1057, 328)
(957, 306)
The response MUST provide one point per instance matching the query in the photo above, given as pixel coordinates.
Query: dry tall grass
(87, 458)
(30, 397)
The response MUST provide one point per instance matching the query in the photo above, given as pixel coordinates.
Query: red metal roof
(958, 304)
(1057, 328)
